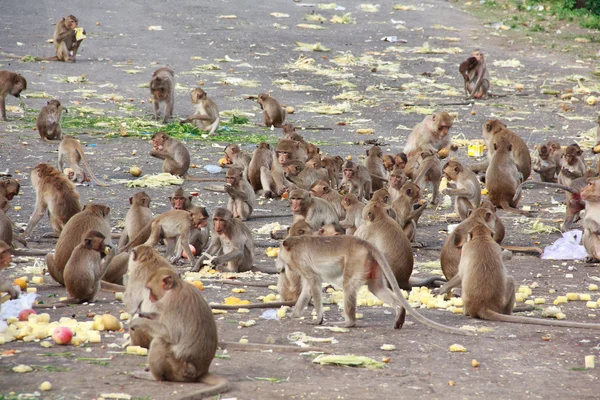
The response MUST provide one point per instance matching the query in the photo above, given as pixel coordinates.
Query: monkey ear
(367, 151)
(167, 282)
(433, 117)
(84, 207)
(488, 127)
(495, 147)
(288, 229)
(131, 200)
(469, 212)
(409, 192)
(87, 243)
(268, 146)
(326, 189)
(302, 232)
(509, 147)
(456, 170)
(371, 216)
(385, 199)
(488, 216)
(106, 211)
(286, 244)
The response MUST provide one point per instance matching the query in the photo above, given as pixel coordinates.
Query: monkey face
(570, 157)
(220, 225)
(283, 157)
(158, 140)
(296, 203)
(543, 152)
(178, 202)
(71, 22)
(348, 173)
(232, 180)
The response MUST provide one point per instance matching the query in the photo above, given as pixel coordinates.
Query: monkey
(495, 129)
(479, 79)
(330, 230)
(65, 40)
(138, 216)
(503, 176)
(350, 261)
(5, 260)
(400, 160)
(231, 242)
(430, 134)
(9, 188)
(428, 169)
(289, 130)
(206, 116)
(241, 195)
(467, 193)
(162, 89)
(273, 181)
(488, 292)
(388, 164)
(397, 180)
(48, 121)
(557, 152)
(273, 113)
(375, 167)
(86, 267)
(545, 164)
(302, 177)
(289, 283)
(175, 352)
(333, 165)
(55, 193)
(322, 189)
(403, 206)
(10, 83)
(591, 225)
(314, 210)
(353, 209)
(8, 236)
(237, 158)
(71, 149)
(465, 68)
(358, 178)
(262, 157)
(199, 234)
(175, 155)
(180, 199)
(573, 166)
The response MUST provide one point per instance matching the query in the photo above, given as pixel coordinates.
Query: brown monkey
(492, 129)
(479, 79)
(7, 235)
(388, 163)
(429, 169)
(351, 261)
(48, 121)
(241, 195)
(289, 283)
(545, 164)
(573, 166)
(406, 215)
(302, 177)
(86, 267)
(199, 234)
(138, 216)
(55, 193)
(65, 40)
(375, 167)
(162, 89)
(333, 165)
(175, 353)
(93, 217)
(206, 116)
(273, 181)
(262, 157)
(591, 222)
(467, 193)
(315, 211)
(400, 160)
(353, 209)
(557, 152)
(180, 200)
(487, 290)
(231, 242)
(273, 113)
(10, 83)
(5, 260)
(237, 158)
(330, 230)
(503, 176)
(466, 69)
(358, 178)
(9, 187)
(430, 134)
(321, 189)
(397, 180)
(71, 149)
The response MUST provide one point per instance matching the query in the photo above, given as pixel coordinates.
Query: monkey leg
(53, 270)
(452, 283)
(168, 109)
(266, 181)
(383, 293)
(165, 367)
(462, 206)
(155, 109)
(509, 295)
(140, 336)
(267, 119)
(409, 229)
(245, 210)
(172, 247)
(303, 299)
(186, 248)
(62, 52)
(56, 223)
(279, 180)
(35, 219)
(591, 242)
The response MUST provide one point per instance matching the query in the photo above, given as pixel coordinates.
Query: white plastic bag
(12, 308)
(566, 248)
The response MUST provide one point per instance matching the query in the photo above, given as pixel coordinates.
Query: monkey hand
(215, 262)
(229, 189)
(14, 292)
(184, 121)
(281, 191)
(454, 147)
(445, 192)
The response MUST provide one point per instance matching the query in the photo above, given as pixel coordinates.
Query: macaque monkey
(289, 283)
(55, 193)
(351, 262)
(273, 181)
(138, 216)
(8, 236)
(545, 164)
(231, 243)
(488, 292)
(183, 317)
(467, 194)
(180, 200)
(466, 68)
(404, 208)
(358, 179)
(302, 177)
(315, 211)
(329, 230)
(262, 157)
(322, 189)
(241, 195)
(388, 163)
(429, 169)
(71, 149)
(9, 187)
(5, 259)
(502, 176)
(48, 121)
(10, 83)
(430, 134)
(333, 165)
(375, 167)
(494, 129)
(86, 267)
(479, 79)
(65, 40)
(237, 158)
(557, 152)
(591, 220)
(400, 159)
(206, 116)
(397, 180)
(353, 209)
(273, 113)
(162, 89)
(573, 166)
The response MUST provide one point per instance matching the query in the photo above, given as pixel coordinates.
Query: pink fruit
(24, 314)
(62, 335)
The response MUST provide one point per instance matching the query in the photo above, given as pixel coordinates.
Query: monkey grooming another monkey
(467, 194)
(86, 267)
(430, 134)
(206, 116)
(55, 193)
(10, 83)
(351, 262)
(5, 260)
(231, 242)
(48, 121)
(241, 195)
(71, 149)
(162, 89)
(273, 113)
(273, 181)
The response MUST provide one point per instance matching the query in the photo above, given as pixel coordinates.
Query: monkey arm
(451, 284)
(481, 71)
(571, 174)
(105, 262)
(235, 193)
(416, 214)
(154, 327)
(64, 35)
(347, 223)
(10, 289)
(163, 155)
(234, 254)
(199, 117)
(213, 249)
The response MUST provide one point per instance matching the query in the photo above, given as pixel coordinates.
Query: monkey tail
(140, 238)
(87, 166)
(546, 184)
(30, 252)
(217, 385)
(111, 287)
(427, 282)
(394, 284)
(274, 304)
(494, 316)
(196, 179)
(507, 207)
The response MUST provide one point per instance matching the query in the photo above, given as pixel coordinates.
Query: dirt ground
(376, 79)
